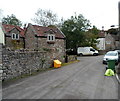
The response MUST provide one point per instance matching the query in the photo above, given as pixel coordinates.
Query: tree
(113, 31)
(74, 29)
(91, 37)
(94, 30)
(45, 17)
(11, 20)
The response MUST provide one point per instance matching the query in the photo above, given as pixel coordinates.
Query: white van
(86, 51)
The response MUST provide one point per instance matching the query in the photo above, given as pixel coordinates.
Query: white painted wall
(2, 38)
(101, 44)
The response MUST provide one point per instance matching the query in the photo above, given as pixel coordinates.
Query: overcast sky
(99, 12)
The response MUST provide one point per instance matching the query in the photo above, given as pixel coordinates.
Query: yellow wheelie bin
(57, 64)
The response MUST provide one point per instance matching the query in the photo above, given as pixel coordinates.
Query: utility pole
(119, 22)
(118, 69)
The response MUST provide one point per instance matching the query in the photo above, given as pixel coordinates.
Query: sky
(98, 12)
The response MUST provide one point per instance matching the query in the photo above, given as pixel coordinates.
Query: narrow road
(82, 80)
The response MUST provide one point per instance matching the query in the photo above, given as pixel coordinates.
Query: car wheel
(95, 54)
(80, 54)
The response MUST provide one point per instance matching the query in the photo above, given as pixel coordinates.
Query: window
(15, 36)
(91, 49)
(51, 38)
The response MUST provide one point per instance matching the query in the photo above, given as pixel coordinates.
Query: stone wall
(17, 63)
(35, 42)
(21, 62)
(72, 58)
(110, 42)
(0, 53)
(57, 49)
(0, 61)
(0, 71)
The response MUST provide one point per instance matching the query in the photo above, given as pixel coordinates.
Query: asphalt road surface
(82, 80)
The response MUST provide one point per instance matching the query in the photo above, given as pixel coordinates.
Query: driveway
(82, 80)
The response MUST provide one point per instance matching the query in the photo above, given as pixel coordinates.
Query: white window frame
(50, 37)
(15, 36)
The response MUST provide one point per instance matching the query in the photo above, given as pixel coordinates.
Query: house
(14, 36)
(49, 39)
(2, 38)
(107, 41)
(117, 41)
(101, 41)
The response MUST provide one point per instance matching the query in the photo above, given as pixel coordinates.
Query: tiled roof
(8, 28)
(40, 30)
(101, 34)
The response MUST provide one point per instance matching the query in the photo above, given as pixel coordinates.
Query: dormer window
(15, 36)
(50, 38)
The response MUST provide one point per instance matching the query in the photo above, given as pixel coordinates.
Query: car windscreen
(111, 54)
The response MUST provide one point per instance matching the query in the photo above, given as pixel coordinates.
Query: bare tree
(45, 17)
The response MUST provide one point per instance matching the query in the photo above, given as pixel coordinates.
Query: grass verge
(65, 64)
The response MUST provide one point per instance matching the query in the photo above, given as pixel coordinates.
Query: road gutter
(117, 78)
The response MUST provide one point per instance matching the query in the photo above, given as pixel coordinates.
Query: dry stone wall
(17, 63)
(21, 62)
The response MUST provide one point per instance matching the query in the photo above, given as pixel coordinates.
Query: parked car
(87, 51)
(118, 51)
(111, 55)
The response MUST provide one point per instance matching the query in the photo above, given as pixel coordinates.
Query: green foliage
(17, 44)
(113, 31)
(94, 30)
(47, 49)
(74, 29)
(11, 20)
(91, 37)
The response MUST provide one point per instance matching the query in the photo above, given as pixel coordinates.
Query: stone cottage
(107, 41)
(116, 41)
(49, 39)
(14, 36)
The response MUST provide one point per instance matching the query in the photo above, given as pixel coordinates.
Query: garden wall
(17, 63)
